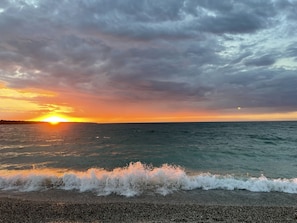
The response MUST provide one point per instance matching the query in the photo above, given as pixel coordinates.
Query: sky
(148, 60)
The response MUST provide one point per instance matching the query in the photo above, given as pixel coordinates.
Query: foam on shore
(136, 179)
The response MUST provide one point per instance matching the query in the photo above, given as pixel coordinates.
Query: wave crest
(136, 179)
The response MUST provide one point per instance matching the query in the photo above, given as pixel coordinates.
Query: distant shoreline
(8, 122)
(17, 122)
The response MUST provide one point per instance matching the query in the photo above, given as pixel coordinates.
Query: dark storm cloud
(211, 53)
(234, 23)
(291, 50)
(163, 90)
(260, 89)
(265, 60)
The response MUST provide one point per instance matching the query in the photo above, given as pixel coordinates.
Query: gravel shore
(84, 208)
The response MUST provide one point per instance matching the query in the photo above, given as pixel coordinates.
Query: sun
(54, 120)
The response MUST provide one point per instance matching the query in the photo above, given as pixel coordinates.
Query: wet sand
(65, 206)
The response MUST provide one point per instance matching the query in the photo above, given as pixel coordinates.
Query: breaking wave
(136, 179)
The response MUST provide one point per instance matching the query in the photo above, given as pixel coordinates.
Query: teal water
(247, 152)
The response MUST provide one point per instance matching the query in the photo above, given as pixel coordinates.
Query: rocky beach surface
(67, 206)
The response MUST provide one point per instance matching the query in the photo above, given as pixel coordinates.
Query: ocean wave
(136, 179)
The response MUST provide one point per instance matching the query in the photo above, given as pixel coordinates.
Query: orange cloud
(27, 103)
(36, 104)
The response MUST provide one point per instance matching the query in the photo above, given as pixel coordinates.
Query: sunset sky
(148, 60)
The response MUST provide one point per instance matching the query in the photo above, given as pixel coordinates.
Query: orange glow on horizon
(195, 117)
(55, 119)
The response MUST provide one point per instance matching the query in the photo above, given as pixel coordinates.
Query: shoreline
(69, 206)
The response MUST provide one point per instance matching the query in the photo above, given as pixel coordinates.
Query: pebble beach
(57, 206)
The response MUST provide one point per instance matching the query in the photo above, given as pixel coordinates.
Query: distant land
(7, 122)
(11, 122)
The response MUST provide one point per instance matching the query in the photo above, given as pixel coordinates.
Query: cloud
(265, 60)
(203, 54)
(291, 50)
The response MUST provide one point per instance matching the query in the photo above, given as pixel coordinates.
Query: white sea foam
(135, 179)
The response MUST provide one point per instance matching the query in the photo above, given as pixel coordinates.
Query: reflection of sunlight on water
(54, 140)
(12, 147)
(48, 128)
(37, 170)
(24, 166)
